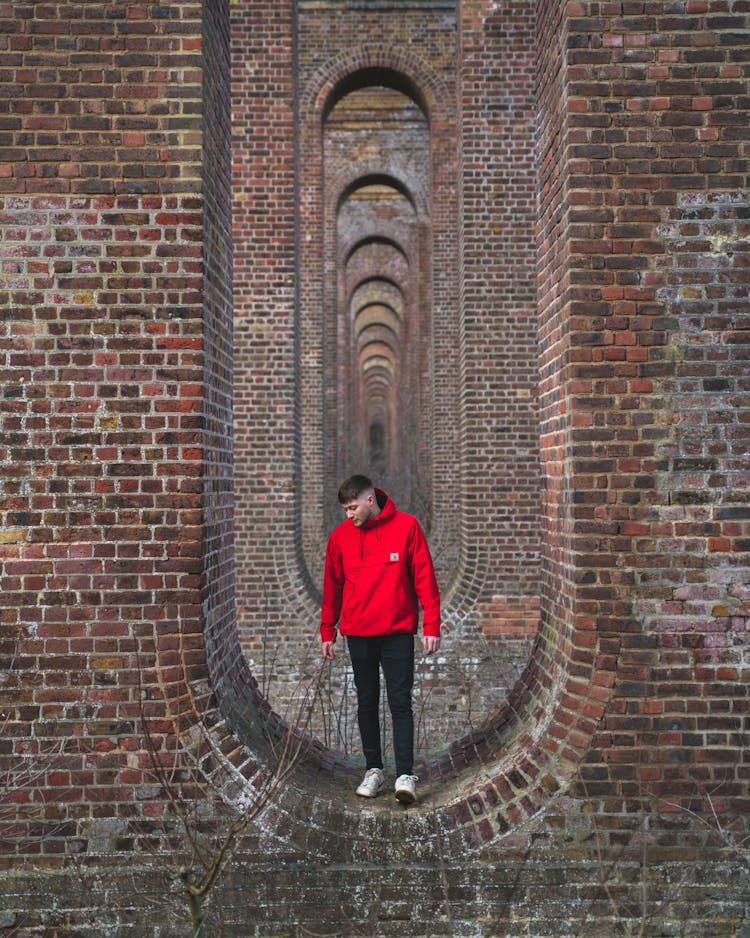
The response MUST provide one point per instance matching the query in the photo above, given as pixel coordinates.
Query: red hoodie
(376, 576)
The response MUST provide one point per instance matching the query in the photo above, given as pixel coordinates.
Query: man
(378, 570)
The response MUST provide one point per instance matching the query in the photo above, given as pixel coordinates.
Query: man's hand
(328, 651)
(430, 643)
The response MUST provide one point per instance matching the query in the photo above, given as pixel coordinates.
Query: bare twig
(210, 854)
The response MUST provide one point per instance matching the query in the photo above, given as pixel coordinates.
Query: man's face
(360, 510)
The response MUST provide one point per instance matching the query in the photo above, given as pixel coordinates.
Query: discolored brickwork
(158, 463)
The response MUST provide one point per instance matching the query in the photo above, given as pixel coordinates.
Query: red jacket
(375, 577)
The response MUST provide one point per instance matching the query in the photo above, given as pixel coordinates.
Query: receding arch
(376, 246)
(383, 284)
(381, 328)
(380, 172)
(375, 307)
(377, 229)
(378, 259)
(375, 75)
(375, 179)
(375, 239)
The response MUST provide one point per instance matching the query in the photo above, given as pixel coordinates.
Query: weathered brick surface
(514, 897)
(656, 296)
(113, 282)
(569, 809)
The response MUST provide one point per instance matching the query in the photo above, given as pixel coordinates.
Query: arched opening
(361, 291)
(377, 375)
(390, 376)
(379, 237)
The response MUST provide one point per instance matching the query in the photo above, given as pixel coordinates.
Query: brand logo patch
(394, 557)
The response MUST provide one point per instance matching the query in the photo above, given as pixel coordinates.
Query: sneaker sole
(405, 797)
(368, 794)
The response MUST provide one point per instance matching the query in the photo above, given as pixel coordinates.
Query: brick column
(114, 362)
(499, 464)
(652, 295)
(267, 502)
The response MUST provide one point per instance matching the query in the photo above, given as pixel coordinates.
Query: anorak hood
(387, 510)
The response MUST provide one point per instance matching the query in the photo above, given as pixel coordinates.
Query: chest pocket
(374, 555)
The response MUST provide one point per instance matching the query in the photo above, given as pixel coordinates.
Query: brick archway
(491, 780)
(354, 68)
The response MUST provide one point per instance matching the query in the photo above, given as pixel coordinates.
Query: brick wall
(103, 393)
(266, 423)
(498, 451)
(610, 791)
(657, 325)
(218, 545)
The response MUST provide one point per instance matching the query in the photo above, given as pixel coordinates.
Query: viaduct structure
(496, 255)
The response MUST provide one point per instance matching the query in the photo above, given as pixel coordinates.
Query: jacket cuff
(327, 633)
(431, 628)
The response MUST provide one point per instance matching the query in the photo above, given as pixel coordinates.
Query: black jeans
(395, 654)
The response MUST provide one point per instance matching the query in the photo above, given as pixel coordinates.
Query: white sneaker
(406, 789)
(371, 783)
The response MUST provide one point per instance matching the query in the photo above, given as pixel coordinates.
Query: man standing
(378, 570)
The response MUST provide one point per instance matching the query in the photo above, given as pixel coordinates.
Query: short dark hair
(353, 488)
